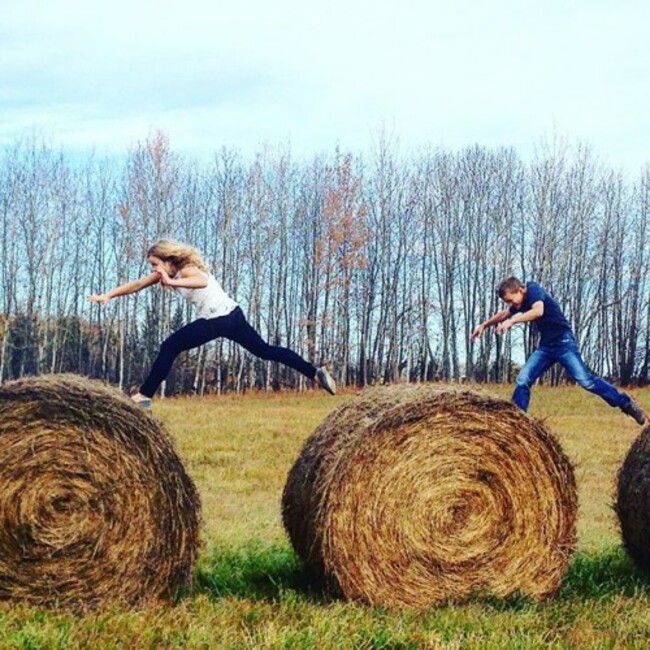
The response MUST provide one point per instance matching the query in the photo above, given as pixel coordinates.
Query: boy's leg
(571, 359)
(536, 365)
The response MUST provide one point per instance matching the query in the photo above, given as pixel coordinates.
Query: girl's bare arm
(126, 288)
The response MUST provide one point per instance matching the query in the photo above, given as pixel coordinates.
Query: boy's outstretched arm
(494, 320)
(535, 312)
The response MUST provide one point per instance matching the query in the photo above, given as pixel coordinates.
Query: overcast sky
(103, 75)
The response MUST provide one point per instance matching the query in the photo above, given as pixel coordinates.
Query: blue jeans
(565, 352)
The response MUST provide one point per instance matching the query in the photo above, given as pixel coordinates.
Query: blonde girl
(181, 268)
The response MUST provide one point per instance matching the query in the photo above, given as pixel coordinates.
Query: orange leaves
(342, 246)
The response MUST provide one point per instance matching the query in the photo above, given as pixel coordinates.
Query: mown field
(252, 593)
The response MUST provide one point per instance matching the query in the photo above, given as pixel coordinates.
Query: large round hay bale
(95, 506)
(416, 495)
(633, 500)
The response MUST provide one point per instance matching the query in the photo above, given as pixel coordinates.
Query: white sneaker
(142, 401)
(325, 380)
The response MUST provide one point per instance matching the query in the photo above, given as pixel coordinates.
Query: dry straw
(416, 495)
(95, 506)
(633, 500)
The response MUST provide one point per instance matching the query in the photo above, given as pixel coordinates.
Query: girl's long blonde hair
(178, 254)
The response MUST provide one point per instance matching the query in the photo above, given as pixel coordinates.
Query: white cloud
(236, 73)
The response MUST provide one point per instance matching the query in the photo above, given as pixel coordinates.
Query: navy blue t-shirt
(553, 324)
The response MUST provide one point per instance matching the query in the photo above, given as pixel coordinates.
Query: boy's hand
(504, 326)
(478, 330)
(101, 298)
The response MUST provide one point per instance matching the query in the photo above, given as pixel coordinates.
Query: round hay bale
(633, 500)
(416, 495)
(95, 506)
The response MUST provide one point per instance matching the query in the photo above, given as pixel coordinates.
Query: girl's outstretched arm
(127, 288)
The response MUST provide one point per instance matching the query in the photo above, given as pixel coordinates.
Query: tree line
(379, 265)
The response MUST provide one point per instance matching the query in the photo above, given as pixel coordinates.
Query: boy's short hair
(510, 285)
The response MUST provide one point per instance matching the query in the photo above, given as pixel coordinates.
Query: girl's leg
(243, 333)
(191, 336)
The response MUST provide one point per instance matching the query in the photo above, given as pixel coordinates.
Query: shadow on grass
(609, 572)
(258, 571)
(271, 572)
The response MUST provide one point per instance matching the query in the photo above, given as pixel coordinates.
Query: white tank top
(211, 301)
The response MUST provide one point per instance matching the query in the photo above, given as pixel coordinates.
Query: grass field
(252, 593)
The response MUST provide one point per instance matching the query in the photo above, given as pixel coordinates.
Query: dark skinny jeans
(232, 326)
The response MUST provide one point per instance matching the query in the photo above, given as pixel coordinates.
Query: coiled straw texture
(95, 505)
(416, 495)
(633, 500)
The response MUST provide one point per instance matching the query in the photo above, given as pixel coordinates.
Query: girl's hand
(101, 298)
(165, 280)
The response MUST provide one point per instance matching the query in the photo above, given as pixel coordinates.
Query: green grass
(251, 591)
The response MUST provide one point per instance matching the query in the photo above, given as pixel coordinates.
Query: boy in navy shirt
(531, 303)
